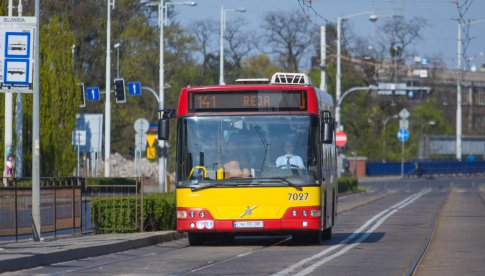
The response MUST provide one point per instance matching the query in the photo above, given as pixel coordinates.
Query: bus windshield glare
(252, 149)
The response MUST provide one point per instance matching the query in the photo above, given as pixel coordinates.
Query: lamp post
(395, 116)
(162, 11)
(117, 46)
(458, 88)
(372, 18)
(221, 43)
(107, 104)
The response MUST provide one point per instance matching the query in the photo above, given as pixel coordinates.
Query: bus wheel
(327, 234)
(196, 239)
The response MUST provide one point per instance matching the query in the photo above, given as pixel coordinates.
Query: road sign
(404, 114)
(16, 55)
(404, 124)
(141, 125)
(93, 93)
(402, 135)
(79, 137)
(134, 88)
(341, 139)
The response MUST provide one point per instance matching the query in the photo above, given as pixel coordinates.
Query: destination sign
(248, 100)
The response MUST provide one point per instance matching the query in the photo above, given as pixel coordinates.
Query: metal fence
(71, 205)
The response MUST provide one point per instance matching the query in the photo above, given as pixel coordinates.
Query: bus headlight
(202, 214)
(192, 214)
(209, 224)
(181, 214)
(304, 213)
(200, 225)
(294, 213)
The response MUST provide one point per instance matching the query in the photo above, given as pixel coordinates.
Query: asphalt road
(382, 232)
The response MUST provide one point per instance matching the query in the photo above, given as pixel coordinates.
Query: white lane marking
(389, 211)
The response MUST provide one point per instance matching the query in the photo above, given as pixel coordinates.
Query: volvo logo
(248, 211)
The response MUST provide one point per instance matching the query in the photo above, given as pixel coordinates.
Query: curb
(43, 259)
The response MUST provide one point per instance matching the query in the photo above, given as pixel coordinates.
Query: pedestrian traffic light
(119, 88)
(83, 94)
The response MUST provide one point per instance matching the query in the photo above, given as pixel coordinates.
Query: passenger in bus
(289, 160)
(235, 162)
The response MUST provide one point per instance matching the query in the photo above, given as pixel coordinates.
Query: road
(384, 231)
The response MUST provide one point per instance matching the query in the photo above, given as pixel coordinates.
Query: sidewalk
(28, 254)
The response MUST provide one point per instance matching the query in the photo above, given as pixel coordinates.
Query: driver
(235, 164)
(289, 160)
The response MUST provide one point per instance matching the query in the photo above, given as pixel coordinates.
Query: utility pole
(36, 134)
(323, 59)
(107, 107)
(458, 96)
(19, 119)
(8, 114)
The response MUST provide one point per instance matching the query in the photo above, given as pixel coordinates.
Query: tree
(289, 37)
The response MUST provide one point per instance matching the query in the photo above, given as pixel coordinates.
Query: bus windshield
(248, 150)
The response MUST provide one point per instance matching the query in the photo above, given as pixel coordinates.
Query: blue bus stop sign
(134, 88)
(402, 135)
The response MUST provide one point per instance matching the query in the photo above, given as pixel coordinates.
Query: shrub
(118, 214)
(347, 183)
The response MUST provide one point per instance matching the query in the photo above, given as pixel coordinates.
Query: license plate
(248, 224)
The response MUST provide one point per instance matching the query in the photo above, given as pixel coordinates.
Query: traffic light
(119, 88)
(82, 91)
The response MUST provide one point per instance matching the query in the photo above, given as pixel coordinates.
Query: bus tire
(196, 239)
(327, 234)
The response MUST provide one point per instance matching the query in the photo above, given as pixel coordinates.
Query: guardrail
(66, 205)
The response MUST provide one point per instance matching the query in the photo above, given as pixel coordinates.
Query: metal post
(107, 108)
(19, 119)
(8, 116)
(402, 159)
(78, 150)
(339, 75)
(458, 97)
(323, 59)
(163, 158)
(36, 232)
(221, 49)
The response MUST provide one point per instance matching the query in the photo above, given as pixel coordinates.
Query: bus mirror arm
(163, 123)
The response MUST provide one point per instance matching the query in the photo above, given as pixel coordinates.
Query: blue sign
(93, 93)
(134, 88)
(17, 45)
(424, 61)
(402, 135)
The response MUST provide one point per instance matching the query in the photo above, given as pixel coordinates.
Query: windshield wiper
(282, 179)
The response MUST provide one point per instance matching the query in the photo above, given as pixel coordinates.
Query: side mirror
(326, 134)
(163, 129)
(164, 123)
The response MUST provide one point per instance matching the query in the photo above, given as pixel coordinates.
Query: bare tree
(204, 32)
(289, 37)
(239, 42)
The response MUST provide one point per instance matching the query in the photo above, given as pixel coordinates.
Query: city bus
(255, 158)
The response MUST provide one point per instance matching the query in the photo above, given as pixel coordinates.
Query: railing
(117, 204)
(60, 206)
(66, 206)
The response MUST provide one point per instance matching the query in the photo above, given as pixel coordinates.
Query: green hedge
(347, 183)
(118, 214)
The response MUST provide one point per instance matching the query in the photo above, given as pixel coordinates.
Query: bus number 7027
(298, 196)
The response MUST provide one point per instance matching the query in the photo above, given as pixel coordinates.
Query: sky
(439, 34)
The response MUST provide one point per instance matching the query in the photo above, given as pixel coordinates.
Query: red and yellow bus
(257, 157)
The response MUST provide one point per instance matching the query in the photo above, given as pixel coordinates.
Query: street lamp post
(338, 88)
(221, 42)
(107, 105)
(458, 88)
(117, 46)
(162, 12)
